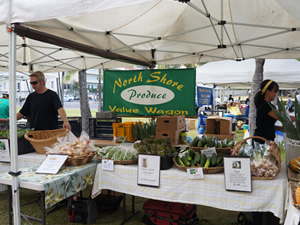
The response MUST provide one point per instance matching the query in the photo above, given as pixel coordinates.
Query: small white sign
(195, 173)
(209, 151)
(4, 151)
(237, 173)
(52, 164)
(148, 170)
(108, 164)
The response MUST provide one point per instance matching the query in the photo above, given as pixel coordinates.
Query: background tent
(233, 74)
(148, 32)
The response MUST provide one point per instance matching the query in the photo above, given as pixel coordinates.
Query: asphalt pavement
(76, 105)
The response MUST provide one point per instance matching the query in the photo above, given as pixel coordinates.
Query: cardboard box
(174, 135)
(222, 136)
(191, 124)
(170, 122)
(219, 125)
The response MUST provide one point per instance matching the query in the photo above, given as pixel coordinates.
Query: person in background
(247, 103)
(298, 96)
(239, 100)
(230, 99)
(4, 110)
(289, 104)
(43, 106)
(234, 108)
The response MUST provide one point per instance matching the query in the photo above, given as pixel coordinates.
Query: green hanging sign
(150, 92)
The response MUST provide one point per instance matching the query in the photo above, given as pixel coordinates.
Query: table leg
(43, 205)
(9, 204)
(125, 219)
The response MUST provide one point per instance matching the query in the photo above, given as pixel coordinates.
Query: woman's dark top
(265, 124)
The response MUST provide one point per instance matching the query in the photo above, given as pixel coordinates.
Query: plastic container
(292, 149)
(124, 130)
(166, 162)
(246, 126)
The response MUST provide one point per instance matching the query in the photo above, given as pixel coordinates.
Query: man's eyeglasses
(33, 82)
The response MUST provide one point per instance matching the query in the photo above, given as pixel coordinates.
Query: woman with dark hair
(265, 117)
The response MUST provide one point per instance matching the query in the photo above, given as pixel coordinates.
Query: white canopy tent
(238, 75)
(83, 34)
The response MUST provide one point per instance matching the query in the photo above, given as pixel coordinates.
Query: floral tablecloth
(67, 182)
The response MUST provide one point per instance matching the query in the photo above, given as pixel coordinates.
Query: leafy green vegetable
(20, 133)
(284, 118)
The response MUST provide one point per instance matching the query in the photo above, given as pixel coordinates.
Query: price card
(108, 164)
(209, 151)
(195, 173)
(52, 164)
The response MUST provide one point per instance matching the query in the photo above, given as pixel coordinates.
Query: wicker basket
(40, 139)
(79, 160)
(292, 175)
(220, 151)
(210, 170)
(273, 150)
(122, 162)
(293, 187)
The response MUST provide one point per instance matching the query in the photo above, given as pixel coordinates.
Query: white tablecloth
(293, 214)
(267, 195)
(29, 159)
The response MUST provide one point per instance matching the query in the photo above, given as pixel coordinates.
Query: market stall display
(265, 158)
(80, 151)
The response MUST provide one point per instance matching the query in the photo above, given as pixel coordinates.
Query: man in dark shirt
(230, 98)
(43, 106)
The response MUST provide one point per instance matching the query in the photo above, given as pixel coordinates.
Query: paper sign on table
(52, 164)
(108, 164)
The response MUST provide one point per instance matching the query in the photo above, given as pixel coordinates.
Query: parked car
(68, 98)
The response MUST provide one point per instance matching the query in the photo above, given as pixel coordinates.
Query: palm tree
(84, 101)
(256, 81)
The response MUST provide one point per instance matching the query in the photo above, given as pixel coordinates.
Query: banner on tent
(150, 92)
(204, 96)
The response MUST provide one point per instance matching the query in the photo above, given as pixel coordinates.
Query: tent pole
(13, 128)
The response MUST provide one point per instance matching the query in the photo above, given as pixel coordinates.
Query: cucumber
(220, 164)
(230, 144)
(224, 143)
(202, 160)
(214, 159)
(188, 156)
(200, 143)
(219, 159)
(197, 158)
(192, 153)
(204, 139)
(178, 160)
(209, 142)
(185, 161)
(192, 163)
(219, 145)
(208, 162)
(195, 141)
(213, 138)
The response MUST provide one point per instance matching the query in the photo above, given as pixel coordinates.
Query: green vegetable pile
(162, 146)
(20, 133)
(143, 131)
(205, 141)
(117, 153)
